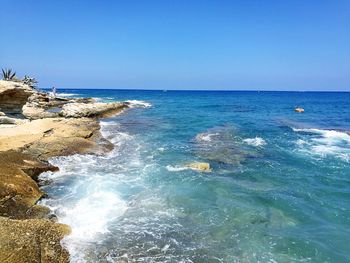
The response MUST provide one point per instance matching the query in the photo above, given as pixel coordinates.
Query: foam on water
(207, 137)
(89, 188)
(171, 168)
(257, 141)
(66, 94)
(325, 143)
(139, 103)
(287, 202)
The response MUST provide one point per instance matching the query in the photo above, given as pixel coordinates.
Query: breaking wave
(325, 143)
(139, 103)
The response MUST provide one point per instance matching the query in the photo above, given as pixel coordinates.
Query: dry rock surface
(35, 126)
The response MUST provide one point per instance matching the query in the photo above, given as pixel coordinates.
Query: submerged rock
(220, 145)
(203, 167)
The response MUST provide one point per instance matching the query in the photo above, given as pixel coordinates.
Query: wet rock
(203, 167)
(18, 190)
(220, 145)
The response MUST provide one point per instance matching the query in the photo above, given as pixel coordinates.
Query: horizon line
(199, 90)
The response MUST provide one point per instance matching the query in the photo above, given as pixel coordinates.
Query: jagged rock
(18, 190)
(32, 241)
(13, 95)
(24, 151)
(79, 110)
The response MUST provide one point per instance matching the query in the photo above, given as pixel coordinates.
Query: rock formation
(203, 167)
(39, 127)
(13, 95)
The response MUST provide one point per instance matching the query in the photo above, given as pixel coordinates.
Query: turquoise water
(279, 189)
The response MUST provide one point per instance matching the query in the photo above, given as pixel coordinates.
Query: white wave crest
(138, 103)
(66, 94)
(331, 134)
(257, 141)
(325, 143)
(171, 168)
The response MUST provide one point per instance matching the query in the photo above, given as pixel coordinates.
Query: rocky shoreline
(35, 126)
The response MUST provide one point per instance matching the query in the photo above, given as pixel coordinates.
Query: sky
(238, 45)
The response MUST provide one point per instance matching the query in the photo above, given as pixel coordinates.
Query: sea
(278, 189)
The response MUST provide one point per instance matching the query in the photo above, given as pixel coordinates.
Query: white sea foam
(257, 141)
(139, 103)
(325, 143)
(66, 94)
(207, 137)
(91, 214)
(300, 142)
(338, 135)
(171, 168)
(92, 188)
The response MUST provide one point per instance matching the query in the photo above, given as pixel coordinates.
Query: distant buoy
(298, 109)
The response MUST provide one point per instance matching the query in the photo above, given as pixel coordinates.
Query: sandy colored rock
(79, 110)
(18, 189)
(53, 137)
(28, 232)
(203, 167)
(32, 241)
(13, 95)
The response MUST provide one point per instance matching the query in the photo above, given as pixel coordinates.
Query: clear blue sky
(262, 44)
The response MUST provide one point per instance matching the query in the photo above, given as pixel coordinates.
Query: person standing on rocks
(53, 92)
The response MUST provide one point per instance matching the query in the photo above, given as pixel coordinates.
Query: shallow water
(279, 190)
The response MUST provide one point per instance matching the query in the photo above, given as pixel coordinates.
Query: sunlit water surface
(279, 190)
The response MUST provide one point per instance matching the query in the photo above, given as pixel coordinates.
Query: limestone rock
(79, 110)
(203, 167)
(34, 112)
(18, 191)
(13, 95)
(32, 241)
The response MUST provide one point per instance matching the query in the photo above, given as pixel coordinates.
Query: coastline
(29, 232)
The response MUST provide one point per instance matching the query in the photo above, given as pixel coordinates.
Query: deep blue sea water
(279, 189)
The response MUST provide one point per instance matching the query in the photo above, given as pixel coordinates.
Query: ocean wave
(325, 143)
(257, 141)
(66, 94)
(138, 103)
(331, 134)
